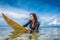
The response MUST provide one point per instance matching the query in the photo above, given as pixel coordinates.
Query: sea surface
(45, 33)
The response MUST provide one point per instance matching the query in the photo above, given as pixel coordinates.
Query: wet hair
(35, 17)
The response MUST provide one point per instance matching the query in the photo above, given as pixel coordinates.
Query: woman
(33, 23)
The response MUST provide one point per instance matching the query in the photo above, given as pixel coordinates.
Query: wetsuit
(35, 26)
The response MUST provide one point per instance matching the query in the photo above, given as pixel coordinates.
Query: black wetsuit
(36, 25)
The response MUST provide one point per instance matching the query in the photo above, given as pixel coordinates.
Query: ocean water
(45, 33)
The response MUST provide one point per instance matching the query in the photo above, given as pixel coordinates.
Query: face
(31, 17)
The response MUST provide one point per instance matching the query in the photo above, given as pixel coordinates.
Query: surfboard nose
(3, 14)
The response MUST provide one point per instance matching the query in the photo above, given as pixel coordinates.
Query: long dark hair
(35, 17)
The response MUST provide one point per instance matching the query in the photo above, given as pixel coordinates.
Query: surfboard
(18, 29)
(14, 25)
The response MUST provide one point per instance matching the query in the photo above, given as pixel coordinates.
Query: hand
(27, 29)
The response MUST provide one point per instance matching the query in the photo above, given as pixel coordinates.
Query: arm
(26, 24)
(37, 25)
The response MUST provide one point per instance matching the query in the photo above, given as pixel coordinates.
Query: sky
(47, 11)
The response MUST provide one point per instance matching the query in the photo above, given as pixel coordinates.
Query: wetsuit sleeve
(26, 24)
(37, 26)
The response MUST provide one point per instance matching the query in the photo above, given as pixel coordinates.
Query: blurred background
(47, 11)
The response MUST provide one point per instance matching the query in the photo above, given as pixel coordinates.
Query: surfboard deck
(13, 24)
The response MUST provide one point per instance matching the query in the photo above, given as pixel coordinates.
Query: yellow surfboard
(13, 24)
(18, 29)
